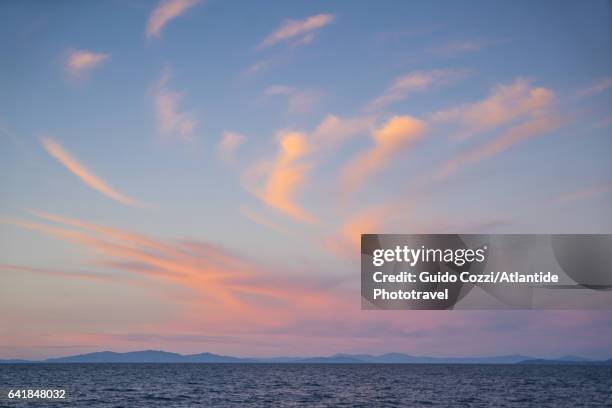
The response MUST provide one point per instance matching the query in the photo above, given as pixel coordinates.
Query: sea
(309, 385)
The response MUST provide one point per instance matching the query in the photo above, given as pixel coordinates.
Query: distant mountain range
(156, 356)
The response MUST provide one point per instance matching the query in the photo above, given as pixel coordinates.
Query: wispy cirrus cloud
(263, 306)
(518, 111)
(512, 136)
(166, 11)
(396, 135)
(86, 176)
(170, 119)
(217, 277)
(297, 31)
(298, 100)
(506, 104)
(598, 87)
(227, 146)
(405, 85)
(79, 62)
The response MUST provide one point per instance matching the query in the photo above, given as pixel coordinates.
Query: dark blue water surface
(315, 385)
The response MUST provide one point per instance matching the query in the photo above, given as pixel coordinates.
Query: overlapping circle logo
(585, 258)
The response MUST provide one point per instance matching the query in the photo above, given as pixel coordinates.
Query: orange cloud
(287, 175)
(170, 119)
(86, 176)
(396, 135)
(79, 61)
(217, 278)
(301, 31)
(403, 86)
(505, 104)
(284, 175)
(166, 11)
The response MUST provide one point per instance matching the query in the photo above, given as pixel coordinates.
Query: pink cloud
(505, 104)
(404, 86)
(301, 31)
(81, 61)
(84, 174)
(166, 11)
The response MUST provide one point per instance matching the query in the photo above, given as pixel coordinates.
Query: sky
(194, 175)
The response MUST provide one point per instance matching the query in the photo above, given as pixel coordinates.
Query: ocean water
(314, 385)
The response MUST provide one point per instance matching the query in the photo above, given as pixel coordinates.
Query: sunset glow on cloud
(266, 160)
(299, 31)
(166, 11)
(403, 86)
(288, 175)
(86, 176)
(505, 104)
(79, 61)
(398, 134)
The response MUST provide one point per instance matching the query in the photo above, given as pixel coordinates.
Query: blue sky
(278, 132)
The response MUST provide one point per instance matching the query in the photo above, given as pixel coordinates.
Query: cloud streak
(600, 86)
(218, 278)
(404, 86)
(507, 139)
(265, 307)
(81, 61)
(166, 11)
(506, 104)
(298, 31)
(399, 133)
(84, 174)
(518, 111)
